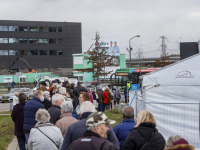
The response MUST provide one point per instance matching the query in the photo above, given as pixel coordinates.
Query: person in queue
(55, 110)
(69, 90)
(96, 134)
(17, 117)
(47, 100)
(44, 135)
(30, 109)
(77, 129)
(101, 98)
(66, 117)
(90, 93)
(144, 135)
(105, 103)
(109, 98)
(63, 92)
(80, 88)
(65, 82)
(83, 96)
(122, 129)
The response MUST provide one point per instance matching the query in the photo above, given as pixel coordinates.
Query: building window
(33, 52)
(52, 52)
(5, 52)
(5, 28)
(80, 78)
(33, 29)
(11, 40)
(45, 41)
(33, 41)
(40, 40)
(21, 28)
(1, 40)
(25, 40)
(1, 52)
(16, 28)
(59, 29)
(21, 40)
(60, 52)
(59, 41)
(15, 40)
(1, 28)
(13, 52)
(11, 28)
(52, 29)
(23, 52)
(43, 52)
(50, 41)
(5, 40)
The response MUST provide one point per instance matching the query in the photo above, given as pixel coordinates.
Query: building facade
(42, 44)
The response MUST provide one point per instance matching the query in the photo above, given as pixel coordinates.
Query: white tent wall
(172, 94)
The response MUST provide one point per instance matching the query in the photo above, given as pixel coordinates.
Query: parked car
(91, 84)
(9, 96)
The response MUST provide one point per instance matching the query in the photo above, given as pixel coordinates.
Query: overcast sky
(117, 19)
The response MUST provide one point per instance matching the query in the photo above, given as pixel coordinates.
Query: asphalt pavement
(4, 107)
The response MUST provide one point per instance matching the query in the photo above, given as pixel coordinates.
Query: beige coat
(65, 121)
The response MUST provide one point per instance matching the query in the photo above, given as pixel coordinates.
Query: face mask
(42, 99)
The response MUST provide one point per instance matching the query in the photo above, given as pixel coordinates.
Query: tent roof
(184, 72)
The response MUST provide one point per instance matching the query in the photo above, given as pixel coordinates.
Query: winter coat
(117, 93)
(109, 96)
(15, 100)
(30, 109)
(17, 117)
(91, 96)
(181, 144)
(114, 91)
(122, 130)
(80, 89)
(126, 93)
(105, 97)
(65, 121)
(141, 134)
(38, 141)
(93, 142)
(100, 95)
(47, 104)
(55, 112)
(77, 129)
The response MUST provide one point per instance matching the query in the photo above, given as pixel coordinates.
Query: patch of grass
(6, 112)
(6, 131)
(114, 114)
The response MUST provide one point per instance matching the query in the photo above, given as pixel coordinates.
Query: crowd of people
(66, 117)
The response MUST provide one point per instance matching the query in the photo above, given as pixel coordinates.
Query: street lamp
(131, 49)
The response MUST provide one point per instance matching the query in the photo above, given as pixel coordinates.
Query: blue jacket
(77, 129)
(122, 130)
(30, 110)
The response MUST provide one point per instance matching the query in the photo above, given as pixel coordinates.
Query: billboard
(7, 79)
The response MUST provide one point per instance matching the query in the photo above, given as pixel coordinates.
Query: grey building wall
(71, 44)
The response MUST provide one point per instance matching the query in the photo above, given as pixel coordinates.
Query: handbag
(48, 137)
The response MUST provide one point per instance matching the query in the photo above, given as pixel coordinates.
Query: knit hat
(97, 118)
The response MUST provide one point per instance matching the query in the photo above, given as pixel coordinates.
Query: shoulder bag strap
(147, 141)
(48, 137)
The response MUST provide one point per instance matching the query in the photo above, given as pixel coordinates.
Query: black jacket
(80, 89)
(17, 117)
(55, 112)
(91, 141)
(65, 83)
(141, 134)
(47, 104)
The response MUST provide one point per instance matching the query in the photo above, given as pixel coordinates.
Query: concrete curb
(13, 145)
(4, 114)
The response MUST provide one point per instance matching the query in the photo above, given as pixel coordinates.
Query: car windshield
(14, 90)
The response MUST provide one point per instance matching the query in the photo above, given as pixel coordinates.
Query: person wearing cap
(77, 129)
(95, 137)
(122, 129)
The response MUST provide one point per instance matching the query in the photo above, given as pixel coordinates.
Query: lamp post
(131, 49)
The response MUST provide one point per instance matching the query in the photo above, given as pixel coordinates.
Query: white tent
(172, 94)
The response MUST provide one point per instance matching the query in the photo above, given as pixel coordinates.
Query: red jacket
(105, 97)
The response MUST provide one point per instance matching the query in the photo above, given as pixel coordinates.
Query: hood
(9, 94)
(181, 147)
(43, 124)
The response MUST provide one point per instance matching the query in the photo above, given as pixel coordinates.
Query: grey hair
(42, 116)
(37, 93)
(66, 79)
(83, 85)
(87, 106)
(67, 106)
(93, 127)
(114, 87)
(128, 112)
(16, 94)
(57, 97)
(62, 90)
(58, 86)
(100, 87)
(89, 89)
(103, 89)
(46, 94)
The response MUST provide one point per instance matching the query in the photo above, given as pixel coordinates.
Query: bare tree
(139, 54)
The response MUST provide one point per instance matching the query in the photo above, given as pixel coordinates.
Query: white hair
(100, 87)
(57, 97)
(89, 89)
(87, 106)
(62, 90)
(46, 77)
(66, 79)
(67, 106)
(46, 94)
(114, 87)
(16, 94)
(42, 116)
(103, 89)
(83, 85)
(106, 87)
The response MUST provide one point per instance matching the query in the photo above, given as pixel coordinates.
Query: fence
(175, 119)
